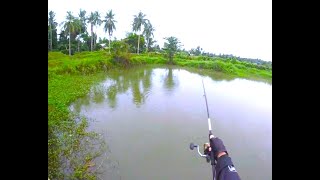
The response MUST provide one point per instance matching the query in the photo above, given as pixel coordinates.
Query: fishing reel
(205, 151)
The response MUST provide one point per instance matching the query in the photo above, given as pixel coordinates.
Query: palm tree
(52, 23)
(83, 25)
(78, 24)
(70, 26)
(94, 19)
(148, 32)
(138, 21)
(109, 25)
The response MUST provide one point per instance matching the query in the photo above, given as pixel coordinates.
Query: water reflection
(98, 92)
(138, 83)
(170, 81)
(219, 76)
(112, 95)
(80, 102)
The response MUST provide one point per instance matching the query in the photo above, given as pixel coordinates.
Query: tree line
(74, 36)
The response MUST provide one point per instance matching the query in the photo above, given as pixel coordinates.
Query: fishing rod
(209, 156)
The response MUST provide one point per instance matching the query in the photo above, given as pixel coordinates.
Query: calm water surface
(149, 116)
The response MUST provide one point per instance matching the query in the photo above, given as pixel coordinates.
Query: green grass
(90, 62)
(227, 66)
(239, 70)
(72, 77)
(66, 133)
(82, 63)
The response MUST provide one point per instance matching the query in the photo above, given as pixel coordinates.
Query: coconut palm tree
(52, 23)
(109, 25)
(70, 25)
(94, 19)
(83, 25)
(138, 21)
(148, 32)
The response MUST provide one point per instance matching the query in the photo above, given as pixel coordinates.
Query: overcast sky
(239, 27)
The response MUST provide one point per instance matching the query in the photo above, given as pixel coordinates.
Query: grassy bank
(228, 66)
(89, 62)
(70, 145)
(71, 152)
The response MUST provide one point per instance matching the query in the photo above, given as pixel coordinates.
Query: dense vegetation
(74, 62)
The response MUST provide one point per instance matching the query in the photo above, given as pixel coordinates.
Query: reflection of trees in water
(138, 98)
(220, 76)
(168, 80)
(141, 85)
(112, 95)
(98, 94)
(137, 80)
(134, 81)
(85, 101)
(216, 76)
(121, 87)
(146, 81)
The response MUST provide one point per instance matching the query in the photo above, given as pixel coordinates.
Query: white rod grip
(209, 124)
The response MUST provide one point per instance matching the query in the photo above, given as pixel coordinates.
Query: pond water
(150, 115)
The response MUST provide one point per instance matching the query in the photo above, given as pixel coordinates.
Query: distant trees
(52, 31)
(75, 37)
(83, 26)
(109, 25)
(132, 39)
(94, 20)
(148, 32)
(138, 22)
(171, 47)
(196, 51)
(70, 26)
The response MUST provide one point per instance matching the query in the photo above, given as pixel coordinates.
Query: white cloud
(239, 27)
